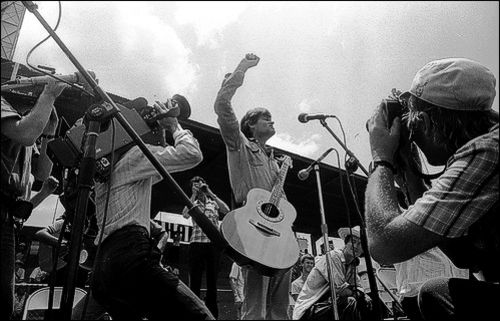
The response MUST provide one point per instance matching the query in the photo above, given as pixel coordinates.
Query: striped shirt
(133, 178)
(211, 210)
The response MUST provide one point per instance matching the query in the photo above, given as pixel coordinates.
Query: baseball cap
(454, 83)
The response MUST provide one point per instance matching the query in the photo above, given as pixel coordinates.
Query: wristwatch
(375, 164)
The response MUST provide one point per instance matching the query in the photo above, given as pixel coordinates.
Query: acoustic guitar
(261, 229)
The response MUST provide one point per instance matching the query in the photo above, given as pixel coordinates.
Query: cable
(103, 224)
(55, 261)
(43, 71)
(347, 208)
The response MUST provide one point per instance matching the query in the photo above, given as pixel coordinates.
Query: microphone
(304, 173)
(304, 118)
(76, 77)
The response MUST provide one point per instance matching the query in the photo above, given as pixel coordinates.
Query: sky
(339, 58)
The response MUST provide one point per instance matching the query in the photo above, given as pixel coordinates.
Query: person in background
(411, 274)
(237, 283)
(19, 132)
(352, 302)
(20, 272)
(307, 263)
(38, 275)
(202, 253)
(171, 254)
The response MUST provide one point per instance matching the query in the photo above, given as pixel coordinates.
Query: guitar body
(267, 241)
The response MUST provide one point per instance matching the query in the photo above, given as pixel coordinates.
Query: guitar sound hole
(270, 210)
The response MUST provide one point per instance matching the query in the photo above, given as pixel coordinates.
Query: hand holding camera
(169, 121)
(384, 135)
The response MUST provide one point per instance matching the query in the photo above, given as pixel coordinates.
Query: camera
(394, 108)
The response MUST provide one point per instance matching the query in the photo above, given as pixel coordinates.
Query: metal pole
(324, 230)
(364, 240)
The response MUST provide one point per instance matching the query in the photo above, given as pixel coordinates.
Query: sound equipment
(261, 229)
(67, 150)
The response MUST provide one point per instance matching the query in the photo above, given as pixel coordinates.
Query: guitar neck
(278, 187)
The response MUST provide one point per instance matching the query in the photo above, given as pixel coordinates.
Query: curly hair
(451, 128)
(250, 118)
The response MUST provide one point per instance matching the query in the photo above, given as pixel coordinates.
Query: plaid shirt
(211, 210)
(465, 192)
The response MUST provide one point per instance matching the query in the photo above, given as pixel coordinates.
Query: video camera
(67, 150)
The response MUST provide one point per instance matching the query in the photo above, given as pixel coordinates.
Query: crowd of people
(442, 243)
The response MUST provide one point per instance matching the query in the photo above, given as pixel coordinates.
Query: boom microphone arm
(69, 288)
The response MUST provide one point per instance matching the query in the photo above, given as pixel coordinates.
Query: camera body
(394, 108)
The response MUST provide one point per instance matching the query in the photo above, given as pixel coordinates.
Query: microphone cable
(103, 224)
(43, 71)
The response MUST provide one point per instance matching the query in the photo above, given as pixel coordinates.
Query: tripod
(96, 117)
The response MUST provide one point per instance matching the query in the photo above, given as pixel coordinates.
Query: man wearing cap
(346, 280)
(450, 119)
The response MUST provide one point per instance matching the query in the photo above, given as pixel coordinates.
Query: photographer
(202, 253)
(19, 133)
(450, 119)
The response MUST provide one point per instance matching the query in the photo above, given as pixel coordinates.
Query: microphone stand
(109, 109)
(364, 240)
(324, 230)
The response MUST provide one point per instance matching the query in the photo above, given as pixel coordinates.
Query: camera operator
(129, 281)
(450, 119)
(19, 133)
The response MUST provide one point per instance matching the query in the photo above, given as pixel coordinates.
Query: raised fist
(249, 61)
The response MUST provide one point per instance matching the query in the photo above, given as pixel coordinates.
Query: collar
(268, 150)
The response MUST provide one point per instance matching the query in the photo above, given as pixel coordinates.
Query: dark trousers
(7, 259)
(456, 299)
(410, 307)
(204, 256)
(130, 283)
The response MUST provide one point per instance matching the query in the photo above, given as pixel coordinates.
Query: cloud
(307, 105)
(131, 46)
(209, 18)
(148, 36)
(307, 147)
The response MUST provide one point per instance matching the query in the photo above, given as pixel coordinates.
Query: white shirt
(237, 276)
(411, 274)
(317, 281)
(133, 178)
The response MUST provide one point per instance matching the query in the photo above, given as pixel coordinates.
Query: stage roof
(302, 194)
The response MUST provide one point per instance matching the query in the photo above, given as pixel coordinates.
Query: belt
(127, 229)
